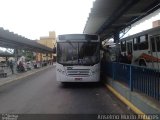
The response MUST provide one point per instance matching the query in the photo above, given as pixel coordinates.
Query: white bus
(78, 58)
(144, 48)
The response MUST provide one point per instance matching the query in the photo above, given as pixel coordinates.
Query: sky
(35, 18)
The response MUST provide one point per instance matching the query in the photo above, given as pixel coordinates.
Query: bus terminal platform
(137, 87)
(20, 75)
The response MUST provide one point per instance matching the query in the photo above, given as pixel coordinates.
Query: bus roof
(149, 31)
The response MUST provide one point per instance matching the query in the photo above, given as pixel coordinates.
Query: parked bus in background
(78, 58)
(143, 48)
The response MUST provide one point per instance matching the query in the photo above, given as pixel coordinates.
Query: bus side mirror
(54, 50)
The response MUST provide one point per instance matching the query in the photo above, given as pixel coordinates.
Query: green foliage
(29, 55)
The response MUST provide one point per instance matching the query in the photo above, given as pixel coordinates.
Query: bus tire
(142, 63)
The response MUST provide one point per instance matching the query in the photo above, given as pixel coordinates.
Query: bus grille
(78, 72)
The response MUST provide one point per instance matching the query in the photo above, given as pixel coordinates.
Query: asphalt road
(42, 94)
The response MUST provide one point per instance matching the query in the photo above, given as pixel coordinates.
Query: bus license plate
(78, 78)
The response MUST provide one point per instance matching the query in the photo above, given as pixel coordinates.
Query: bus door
(129, 50)
(129, 47)
(155, 50)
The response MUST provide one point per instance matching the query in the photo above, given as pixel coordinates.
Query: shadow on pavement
(84, 85)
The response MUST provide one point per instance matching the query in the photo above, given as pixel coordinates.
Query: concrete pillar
(116, 40)
(47, 57)
(16, 59)
(16, 55)
(6, 59)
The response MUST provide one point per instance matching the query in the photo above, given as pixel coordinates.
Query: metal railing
(139, 79)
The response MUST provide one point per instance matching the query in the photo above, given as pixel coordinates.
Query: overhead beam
(133, 14)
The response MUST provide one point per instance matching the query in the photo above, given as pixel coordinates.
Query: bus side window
(129, 47)
(158, 43)
(123, 46)
(152, 44)
(135, 44)
(143, 45)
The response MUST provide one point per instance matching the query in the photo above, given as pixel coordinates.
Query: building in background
(156, 23)
(49, 41)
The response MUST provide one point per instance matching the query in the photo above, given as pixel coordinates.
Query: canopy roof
(109, 16)
(15, 41)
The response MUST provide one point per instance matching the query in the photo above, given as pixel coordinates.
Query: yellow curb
(128, 103)
(9, 81)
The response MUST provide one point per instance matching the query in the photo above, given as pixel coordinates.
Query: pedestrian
(129, 58)
(11, 66)
(21, 67)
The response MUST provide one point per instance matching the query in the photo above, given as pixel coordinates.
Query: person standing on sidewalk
(11, 66)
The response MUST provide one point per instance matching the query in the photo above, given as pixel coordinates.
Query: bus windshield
(78, 53)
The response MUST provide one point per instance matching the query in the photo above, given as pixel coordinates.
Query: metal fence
(139, 79)
(121, 72)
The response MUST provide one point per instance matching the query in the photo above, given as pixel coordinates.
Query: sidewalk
(18, 76)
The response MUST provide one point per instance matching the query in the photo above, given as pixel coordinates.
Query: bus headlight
(61, 71)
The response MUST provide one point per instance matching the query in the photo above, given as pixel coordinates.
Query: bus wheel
(142, 63)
